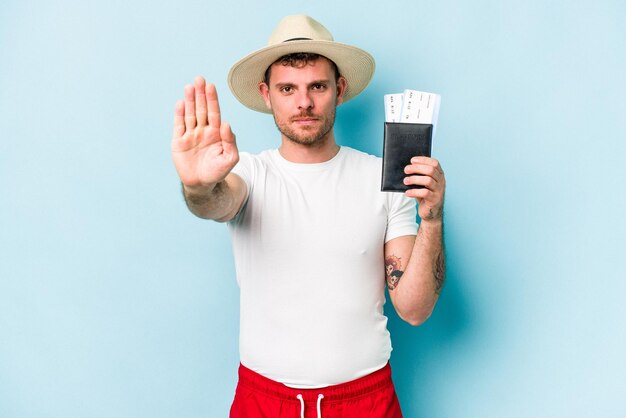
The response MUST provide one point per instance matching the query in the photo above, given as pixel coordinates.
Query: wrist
(432, 222)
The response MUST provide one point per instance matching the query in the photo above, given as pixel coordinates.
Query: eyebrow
(323, 81)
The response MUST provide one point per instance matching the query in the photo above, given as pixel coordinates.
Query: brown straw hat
(299, 34)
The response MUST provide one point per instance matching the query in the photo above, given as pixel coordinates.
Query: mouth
(304, 120)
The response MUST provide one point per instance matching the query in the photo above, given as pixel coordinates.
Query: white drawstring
(319, 405)
(301, 405)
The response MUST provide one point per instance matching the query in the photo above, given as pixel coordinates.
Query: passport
(403, 141)
(410, 123)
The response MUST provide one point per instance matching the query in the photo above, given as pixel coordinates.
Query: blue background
(117, 302)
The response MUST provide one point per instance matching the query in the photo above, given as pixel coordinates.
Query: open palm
(203, 148)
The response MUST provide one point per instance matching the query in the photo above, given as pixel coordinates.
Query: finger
(424, 195)
(190, 107)
(213, 106)
(179, 119)
(424, 181)
(228, 138)
(427, 161)
(423, 170)
(420, 194)
(201, 111)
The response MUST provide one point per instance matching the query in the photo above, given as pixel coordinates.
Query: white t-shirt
(308, 247)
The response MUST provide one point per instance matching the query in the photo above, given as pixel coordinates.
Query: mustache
(305, 114)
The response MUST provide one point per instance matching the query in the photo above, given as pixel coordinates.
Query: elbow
(416, 320)
(417, 317)
(415, 310)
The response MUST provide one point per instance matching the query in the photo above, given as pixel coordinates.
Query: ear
(342, 85)
(264, 90)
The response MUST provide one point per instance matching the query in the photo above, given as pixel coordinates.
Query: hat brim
(356, 65)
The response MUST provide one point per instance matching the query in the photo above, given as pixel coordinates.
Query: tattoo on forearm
(432, 214)
(393, 271)
(439, 271)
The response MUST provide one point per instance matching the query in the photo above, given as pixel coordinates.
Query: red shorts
(371, 396)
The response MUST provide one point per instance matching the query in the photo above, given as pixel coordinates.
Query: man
(312, 234)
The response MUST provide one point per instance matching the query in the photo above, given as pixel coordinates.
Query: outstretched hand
(203, 148)
(426, 172)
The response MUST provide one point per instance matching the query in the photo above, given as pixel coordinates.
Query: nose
(305, 101)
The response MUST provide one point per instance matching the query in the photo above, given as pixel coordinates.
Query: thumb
(228, 137)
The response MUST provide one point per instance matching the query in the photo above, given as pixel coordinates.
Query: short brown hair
(299, 60)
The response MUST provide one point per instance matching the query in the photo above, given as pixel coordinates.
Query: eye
(286, 89)
(318, 86)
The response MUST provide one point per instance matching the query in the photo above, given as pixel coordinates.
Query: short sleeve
(245, 170)
(401, 216)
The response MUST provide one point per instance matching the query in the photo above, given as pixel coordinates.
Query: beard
(309, 135)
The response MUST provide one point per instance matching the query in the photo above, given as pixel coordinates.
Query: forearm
(423, 278)
(219, 202)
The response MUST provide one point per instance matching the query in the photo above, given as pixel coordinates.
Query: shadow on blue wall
(418, 352)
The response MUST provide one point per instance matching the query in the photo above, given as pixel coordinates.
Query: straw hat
(299, 34)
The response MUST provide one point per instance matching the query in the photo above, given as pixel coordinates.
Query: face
(303, 100)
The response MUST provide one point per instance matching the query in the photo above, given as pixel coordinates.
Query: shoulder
(252, 166)
(356, 157)
(372, 165)
(261, 156)
(247, 159)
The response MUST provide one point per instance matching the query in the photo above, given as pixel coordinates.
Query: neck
(318, 152)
